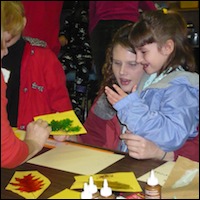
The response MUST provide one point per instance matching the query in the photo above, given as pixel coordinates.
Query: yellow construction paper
(119, 181)
(76, 158)
(162, 172)
(63, 115)
(19, 133)
(66, 194)
(35, 178)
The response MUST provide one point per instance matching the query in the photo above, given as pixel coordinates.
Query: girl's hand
(114, 96)
(141, 148)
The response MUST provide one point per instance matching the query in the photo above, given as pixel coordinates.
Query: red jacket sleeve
(189, 150)
(101, 132)
(13, 150)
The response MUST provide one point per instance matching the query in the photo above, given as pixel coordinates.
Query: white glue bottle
(93, 188)
(152, 188)
(106, 192)
(86, 194)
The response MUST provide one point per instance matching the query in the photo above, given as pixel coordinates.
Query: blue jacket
(166, 112)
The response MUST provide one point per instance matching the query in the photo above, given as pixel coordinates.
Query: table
(61, 180)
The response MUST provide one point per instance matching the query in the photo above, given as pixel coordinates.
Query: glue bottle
(93, 188)
(152, 188)
(106, 192)
(86, 194)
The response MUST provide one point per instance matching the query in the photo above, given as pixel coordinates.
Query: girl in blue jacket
(165, 109)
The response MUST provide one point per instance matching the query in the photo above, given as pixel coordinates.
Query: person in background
(166, 111)
(36, 83)
(104, 128)
(76, 54)
(105, 17)
(43, 22)
(14, 151)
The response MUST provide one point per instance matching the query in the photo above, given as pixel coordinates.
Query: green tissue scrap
(64, 125)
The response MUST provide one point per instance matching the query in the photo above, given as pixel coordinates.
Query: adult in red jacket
(43, 21)
(14, 151)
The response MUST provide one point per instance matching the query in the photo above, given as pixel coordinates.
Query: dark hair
(158, 27)
(120, 37)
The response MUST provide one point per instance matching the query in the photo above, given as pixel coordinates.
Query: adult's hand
(38, 131)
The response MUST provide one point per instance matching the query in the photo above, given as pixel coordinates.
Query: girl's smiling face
(152, 57)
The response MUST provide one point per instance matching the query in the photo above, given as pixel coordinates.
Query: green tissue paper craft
(64, 125)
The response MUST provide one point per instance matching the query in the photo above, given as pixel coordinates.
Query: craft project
(28, 184)
(64, 123)
(119, 181)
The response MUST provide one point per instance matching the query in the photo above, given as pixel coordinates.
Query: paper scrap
(162, 172)
(28, 184)
(77, 159)
(66, 194)
(183, 181)
(119, 181)
(19, 133)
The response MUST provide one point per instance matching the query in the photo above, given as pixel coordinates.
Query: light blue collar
(153, 78)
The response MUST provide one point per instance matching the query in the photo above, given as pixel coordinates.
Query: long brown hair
(158, 26)
(120, 37)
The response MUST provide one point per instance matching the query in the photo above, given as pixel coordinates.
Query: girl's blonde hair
(12, 17)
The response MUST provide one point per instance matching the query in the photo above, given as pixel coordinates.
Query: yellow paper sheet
(63, 115)
(28, 184)
(66, 194)
(119, 181)
(162, 172)
(76, 159)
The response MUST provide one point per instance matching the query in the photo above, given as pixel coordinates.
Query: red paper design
(28, 183)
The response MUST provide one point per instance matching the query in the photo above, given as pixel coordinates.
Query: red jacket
(13, 150)
(42, 84)
(103, 130)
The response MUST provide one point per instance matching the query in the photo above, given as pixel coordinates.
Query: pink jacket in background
(43, 21)
(116, 10)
